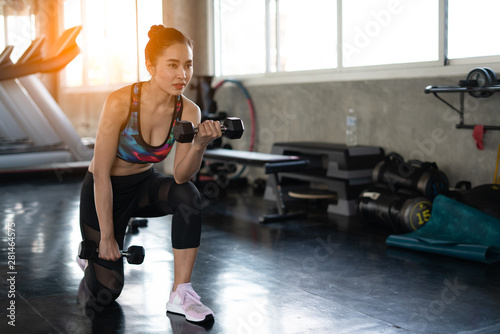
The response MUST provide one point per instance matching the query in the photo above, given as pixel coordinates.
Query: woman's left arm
(188, 156)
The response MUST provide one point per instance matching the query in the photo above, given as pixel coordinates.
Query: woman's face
(174, 69)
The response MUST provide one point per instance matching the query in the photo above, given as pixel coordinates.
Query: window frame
(440, 67)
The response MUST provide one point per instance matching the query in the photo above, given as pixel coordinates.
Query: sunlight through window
(17, 28)
(465, 41)
(110, 41)
(379, 32)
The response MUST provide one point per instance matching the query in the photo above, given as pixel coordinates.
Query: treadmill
(35, 134)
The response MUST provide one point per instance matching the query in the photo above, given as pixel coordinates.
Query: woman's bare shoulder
(190, 109)
(119, 98)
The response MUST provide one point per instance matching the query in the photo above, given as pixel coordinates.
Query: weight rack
(462, 90)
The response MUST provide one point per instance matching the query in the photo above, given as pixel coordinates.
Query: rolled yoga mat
(455, 229)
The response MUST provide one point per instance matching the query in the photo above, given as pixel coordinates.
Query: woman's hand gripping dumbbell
(88, 250)
(184, 131)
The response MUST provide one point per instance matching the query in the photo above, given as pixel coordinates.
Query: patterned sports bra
(131, 146)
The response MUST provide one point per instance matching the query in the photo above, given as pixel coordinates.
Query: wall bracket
(462, 90)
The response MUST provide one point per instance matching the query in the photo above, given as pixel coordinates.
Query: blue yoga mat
(457, 230)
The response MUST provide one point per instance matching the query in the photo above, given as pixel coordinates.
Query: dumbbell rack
(462, 90)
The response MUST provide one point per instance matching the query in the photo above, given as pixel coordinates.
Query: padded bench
(273, 164)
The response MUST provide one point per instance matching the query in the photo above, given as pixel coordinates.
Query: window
(295, 35)
(261, 36)
(17, 28)
(307, 35)
(112, 44)
(379, 32)
(242, 36)
(472, 28)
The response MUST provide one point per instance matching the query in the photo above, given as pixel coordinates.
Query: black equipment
(89, 250)
(232, 128)
(402, 211)
(480, 77)
(485, 197)
(424, 177)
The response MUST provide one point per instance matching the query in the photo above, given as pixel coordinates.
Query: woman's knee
(185, 194)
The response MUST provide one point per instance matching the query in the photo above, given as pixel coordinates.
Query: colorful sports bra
(131, 145)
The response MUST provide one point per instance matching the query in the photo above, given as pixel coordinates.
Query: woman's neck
(153, 95)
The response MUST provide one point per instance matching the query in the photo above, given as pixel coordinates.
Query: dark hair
(160, 38)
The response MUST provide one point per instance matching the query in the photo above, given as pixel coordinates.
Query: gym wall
(394, 114)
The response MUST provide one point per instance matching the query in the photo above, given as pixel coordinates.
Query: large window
(379, 32)
(307, 38)
(266, 36)
(242, 36)
(472, 28)
(112, 41)
(261, 36)
(17, 28)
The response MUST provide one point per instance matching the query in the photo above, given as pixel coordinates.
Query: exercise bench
(273, 164)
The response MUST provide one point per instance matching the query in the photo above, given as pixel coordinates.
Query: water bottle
(351, 138)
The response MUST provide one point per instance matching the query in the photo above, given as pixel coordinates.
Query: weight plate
(483, 79)
(493, 75)
(416, 213)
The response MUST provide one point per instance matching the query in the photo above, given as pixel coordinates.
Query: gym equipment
(45, 138)
(480, 77)
(344, 171)
(402, 212)
(88, 250)
(205, 99)
(9, 129)
(22, 107)
(424, 177)
(458, 191)
(273, 165)
(184, 131)
(209, 110)
(481, 82)
(485, 198)
(455, 229)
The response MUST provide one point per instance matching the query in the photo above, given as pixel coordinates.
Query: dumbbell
(89, 250)
(232, 128)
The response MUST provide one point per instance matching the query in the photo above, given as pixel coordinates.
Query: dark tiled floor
(319, 275)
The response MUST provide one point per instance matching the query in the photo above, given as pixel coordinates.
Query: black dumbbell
(89, 250)
(232, 128)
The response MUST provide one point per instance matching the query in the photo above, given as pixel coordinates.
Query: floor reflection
(319, 275)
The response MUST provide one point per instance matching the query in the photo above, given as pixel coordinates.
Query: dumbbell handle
(223, 128)
(134, 254)
(122, 252)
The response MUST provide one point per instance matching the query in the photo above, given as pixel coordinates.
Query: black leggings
(147, 194)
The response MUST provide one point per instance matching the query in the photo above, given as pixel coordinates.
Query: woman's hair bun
(160, 38)
(155, 30)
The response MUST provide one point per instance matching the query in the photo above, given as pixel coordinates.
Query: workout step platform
(334, 160)
(342, 170)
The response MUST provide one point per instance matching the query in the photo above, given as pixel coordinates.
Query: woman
(135, 131)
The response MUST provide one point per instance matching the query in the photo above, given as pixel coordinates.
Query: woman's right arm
(106, 144)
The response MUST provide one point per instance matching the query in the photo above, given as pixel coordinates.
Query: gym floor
(323, 274)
